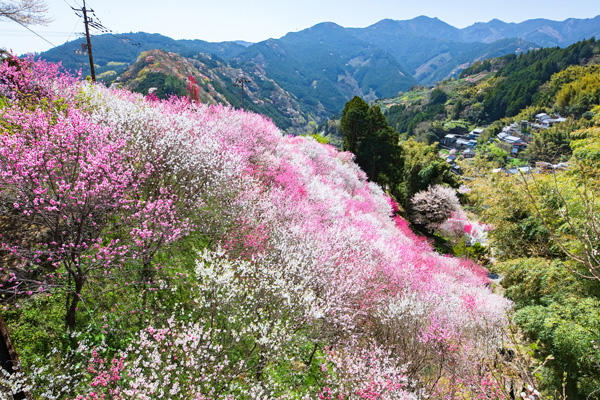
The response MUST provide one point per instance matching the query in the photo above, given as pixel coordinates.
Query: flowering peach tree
(306, 284)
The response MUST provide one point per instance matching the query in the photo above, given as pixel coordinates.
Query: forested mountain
(426, 48)
(325, 65)
(488, 91)
(167, 73)
(541, 31)
(125, 48)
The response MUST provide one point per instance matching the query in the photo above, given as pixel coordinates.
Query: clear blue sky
(256, 20)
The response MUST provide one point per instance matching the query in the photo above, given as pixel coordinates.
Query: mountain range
(321, 67)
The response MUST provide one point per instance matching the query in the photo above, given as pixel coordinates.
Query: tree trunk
(9, 360)
(73, 300)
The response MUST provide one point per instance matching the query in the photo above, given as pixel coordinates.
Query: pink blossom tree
(68, 178)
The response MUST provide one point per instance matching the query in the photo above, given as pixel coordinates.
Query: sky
(257, 20)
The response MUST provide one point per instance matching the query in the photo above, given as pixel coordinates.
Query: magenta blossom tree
(67, 178)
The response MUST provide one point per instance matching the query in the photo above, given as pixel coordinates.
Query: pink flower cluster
(459, 225)
(322, 242)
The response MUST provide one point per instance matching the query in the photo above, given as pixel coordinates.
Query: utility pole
(89, 22)
(240, 83)
(89, 42)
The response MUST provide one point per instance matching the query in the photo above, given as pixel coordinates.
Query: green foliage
(406, 120)
(569, 330)
(319, 138)
(551, 145)
(578, 96)
(107, 76)
(522, 76)
(375, 144)
(516, 163)
(293, 374)
(404, 168)
(517, 232)
(586, 146)
(458, 108)
(549, 218)
(355, 123)
(422, 168)
(491, 152)
(535, 281)
(37, 327)
(475, 252)
(476, 68)
(166, 85)
(437, 96)
(113, 319)
(563, 78)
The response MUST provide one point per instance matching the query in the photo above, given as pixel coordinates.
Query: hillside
(122, 50)
(432, 50)
(168, 73)
(487, 92)
(326, 64)
(182, 250)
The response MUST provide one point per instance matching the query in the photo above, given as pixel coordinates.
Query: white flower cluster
(308, 248)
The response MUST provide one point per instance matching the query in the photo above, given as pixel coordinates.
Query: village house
(462, 143)
(448, 140)
(468, 153)
(475, 133)
(514, 143)
(545, 121)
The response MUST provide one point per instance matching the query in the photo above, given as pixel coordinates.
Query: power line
(18, 31)
(72, 31)
(92, 21)
(31, 30)
(67, 3)
(89, 22)
(74, 25)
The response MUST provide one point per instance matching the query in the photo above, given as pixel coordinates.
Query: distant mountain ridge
(544, 32)
(325, 65)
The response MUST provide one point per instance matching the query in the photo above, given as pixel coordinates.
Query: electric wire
(32, 31)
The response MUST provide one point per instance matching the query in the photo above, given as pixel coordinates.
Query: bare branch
(26, 12)
(589, 257)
